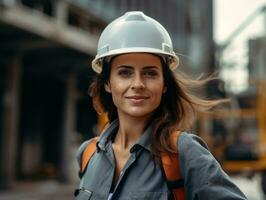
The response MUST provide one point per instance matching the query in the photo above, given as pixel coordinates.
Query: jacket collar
(144, 141)
(106, 135)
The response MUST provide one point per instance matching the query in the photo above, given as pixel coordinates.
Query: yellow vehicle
(241, 144)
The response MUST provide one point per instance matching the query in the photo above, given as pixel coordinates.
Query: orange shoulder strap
(171, 168)
(87, 153)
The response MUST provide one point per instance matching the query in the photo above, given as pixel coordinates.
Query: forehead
(137, 59)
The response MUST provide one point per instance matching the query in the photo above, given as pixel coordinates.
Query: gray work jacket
(142, 178)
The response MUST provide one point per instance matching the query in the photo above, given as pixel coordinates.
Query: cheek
(118, 90)
(157, 91)
(115, 85)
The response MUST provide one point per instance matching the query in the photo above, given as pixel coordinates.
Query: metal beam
(48, 27)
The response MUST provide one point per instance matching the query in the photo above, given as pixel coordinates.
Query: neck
(130, 130)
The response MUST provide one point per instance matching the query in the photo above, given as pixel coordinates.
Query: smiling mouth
(136, 100)
(137, 97)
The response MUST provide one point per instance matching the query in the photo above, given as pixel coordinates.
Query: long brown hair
(177, 110)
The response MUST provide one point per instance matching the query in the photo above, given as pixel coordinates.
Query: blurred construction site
(46, 47)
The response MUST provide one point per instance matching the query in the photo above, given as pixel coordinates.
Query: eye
(151, 73)
(125, 72)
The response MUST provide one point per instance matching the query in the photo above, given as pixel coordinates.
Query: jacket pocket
(140, 195)
(83, 194)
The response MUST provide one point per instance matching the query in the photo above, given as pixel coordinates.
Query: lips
(136, 99)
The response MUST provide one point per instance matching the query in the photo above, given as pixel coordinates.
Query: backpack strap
(171, 168)
(87, 154)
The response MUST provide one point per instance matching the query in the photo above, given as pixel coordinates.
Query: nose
(138, 82)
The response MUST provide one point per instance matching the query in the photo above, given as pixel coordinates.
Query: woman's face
(136, 84)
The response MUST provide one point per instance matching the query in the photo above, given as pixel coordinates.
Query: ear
(164, 89)
(107, 87)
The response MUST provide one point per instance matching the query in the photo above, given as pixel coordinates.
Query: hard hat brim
(97, 61)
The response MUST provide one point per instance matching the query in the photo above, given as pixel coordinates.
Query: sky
(228, 15)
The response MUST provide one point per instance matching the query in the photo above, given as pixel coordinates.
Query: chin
(140, 113)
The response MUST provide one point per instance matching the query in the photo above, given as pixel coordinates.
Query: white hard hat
(134, 32)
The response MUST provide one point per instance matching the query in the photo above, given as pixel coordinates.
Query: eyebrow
(124, 66)
(152, 67)
(145, 67)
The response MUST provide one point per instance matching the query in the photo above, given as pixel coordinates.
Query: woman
(146, 103)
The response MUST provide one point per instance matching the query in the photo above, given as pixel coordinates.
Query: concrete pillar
(8, 144)
(68, 163)
(61, 7)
